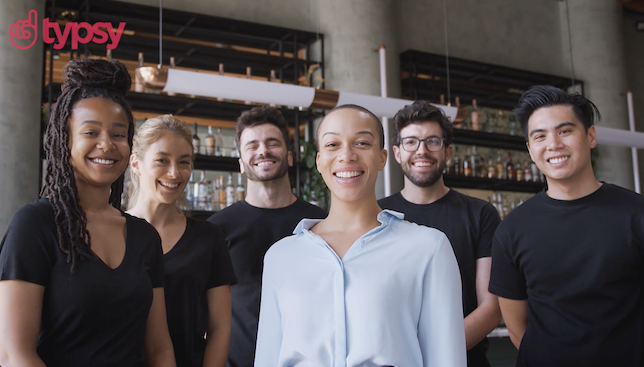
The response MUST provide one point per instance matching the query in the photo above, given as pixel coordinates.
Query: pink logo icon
(100, 32)
(25, 29)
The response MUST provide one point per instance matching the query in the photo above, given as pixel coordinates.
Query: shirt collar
(384, 217)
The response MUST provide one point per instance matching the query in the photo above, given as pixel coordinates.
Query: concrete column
(598, 57)
(20, 96)
(353, 32)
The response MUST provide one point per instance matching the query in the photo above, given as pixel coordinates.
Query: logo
(101, 32)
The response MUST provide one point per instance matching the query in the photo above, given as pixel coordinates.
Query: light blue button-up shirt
(394, 299)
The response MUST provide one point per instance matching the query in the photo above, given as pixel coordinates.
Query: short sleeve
(145, 233)
(27, 249)
(221, 271)
(506, 278)
(490, 220)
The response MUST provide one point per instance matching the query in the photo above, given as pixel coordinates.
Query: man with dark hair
(422, 145)
(251, 226)
(568, 264)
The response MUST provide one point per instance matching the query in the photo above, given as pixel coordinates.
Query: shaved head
(369, 114)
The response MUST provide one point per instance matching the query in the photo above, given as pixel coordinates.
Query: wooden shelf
(492, 184)
(491, 140)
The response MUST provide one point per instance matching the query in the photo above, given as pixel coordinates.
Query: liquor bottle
(474, 162)
(458, 122)
(475, 123)
(509, 168)
(190, 191)
(536, 175)
(500, 167)
(272, 78)
(210, 142)
(248, 76)
(449, 166)
(491, 168)
(109, 55)
(235, 151)
(196, 142)
(138, 86)
(513, 125)
(467, 169)
(518, 169)
(202, 192)
(221, 72)
(172, 66)
(221, 192)
(481, 167)
(219, 144)
(458, 170)
(230, 190)
(240, 190)
(527, 172)
(441, 99)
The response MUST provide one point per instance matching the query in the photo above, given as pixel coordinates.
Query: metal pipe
(385, 120)
(631, 123)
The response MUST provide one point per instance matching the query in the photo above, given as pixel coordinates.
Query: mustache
(266, 156)
(426, 158)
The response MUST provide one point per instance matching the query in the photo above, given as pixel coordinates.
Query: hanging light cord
(160, 32)
(449, 97)
(572, 67)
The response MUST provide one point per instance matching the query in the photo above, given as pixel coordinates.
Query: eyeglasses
(432, 143)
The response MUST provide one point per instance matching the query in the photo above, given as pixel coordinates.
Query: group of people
(419, 278)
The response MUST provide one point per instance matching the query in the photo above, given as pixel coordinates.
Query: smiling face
(559, 144)
(99, 150)
(350, 156)
(264, 155)
(164, 169)
(422, 167)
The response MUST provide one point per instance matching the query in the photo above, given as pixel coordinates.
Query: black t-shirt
(198, 262)
(250, 232)
(580, 265)
(469, 224)
(95, 316)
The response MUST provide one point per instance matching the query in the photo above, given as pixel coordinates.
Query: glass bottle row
(493, 164)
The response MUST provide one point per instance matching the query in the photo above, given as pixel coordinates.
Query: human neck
(270, 194)
(424, 195)
(351, 216)
(93, 199)
(157, 214)
(573, 188)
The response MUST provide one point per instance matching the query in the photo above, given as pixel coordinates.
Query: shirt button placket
(340, 317)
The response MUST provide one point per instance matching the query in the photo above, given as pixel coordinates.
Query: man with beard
(269, 213)
(422, 145)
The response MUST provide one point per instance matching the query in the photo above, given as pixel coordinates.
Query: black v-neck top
(95, 316)
(199, 261)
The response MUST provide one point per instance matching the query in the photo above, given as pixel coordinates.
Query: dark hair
(422, 111)
(547, 96)
(259, 116)
(355, 107)
(84, 78)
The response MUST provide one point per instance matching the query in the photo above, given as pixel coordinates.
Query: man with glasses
(422, 146)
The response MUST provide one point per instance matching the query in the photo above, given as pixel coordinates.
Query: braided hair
(84, 78)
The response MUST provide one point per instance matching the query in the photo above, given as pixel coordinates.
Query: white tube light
(631, 123)
(218, 86)
(619, 137)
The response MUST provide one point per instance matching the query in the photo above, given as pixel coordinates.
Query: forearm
(163, 357)
(480, 323)
(9, 359)
(217, 344)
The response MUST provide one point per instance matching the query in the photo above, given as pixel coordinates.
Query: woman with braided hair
(81, 282)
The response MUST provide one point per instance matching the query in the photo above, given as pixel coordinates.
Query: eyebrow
(563, 124)
(365, 132)
(256, 141)
(168, 155)
(98, 123)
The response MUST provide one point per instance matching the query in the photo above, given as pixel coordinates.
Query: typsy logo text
(23, 31)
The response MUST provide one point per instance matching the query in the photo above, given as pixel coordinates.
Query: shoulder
(229, 213)
(619, 193)
(474, 204)
(36, 216)
(415, 234)
(285, 248)
(388, 201)
(141, 229)
(308, 210)
(204, 228)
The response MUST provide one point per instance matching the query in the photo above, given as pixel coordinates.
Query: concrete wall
(634, 54)
(523, 34)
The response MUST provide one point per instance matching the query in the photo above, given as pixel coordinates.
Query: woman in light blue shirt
(362, 287)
